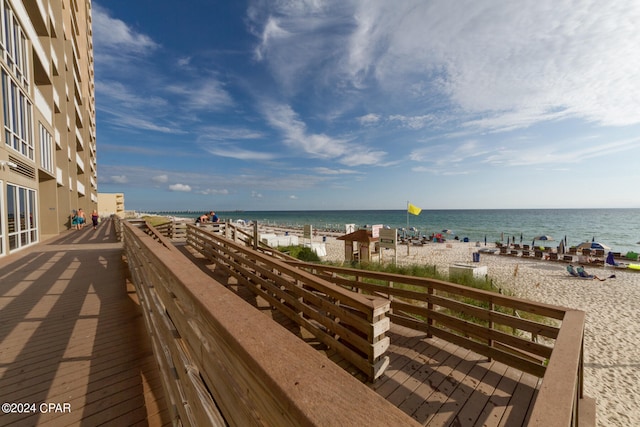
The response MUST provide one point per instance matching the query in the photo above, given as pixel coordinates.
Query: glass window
(21, 216)
(17, 117)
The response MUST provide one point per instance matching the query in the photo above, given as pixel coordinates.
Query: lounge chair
(572, 271)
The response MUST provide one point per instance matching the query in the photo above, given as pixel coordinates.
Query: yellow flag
(414, 209)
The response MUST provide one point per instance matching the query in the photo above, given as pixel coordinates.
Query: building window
(21, 216)
(13, 43)
(17, 117)
(46, 149)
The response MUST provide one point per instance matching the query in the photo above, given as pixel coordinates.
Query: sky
(368, 104)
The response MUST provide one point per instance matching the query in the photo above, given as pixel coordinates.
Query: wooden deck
(72, 334)
(435, 382)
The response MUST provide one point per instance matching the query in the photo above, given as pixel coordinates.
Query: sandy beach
(612, 336)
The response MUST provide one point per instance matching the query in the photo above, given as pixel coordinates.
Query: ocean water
(616, 228)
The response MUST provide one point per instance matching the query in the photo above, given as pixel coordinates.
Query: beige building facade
(111, 204)
(48, 143)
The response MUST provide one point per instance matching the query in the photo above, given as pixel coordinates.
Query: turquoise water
(616, 228)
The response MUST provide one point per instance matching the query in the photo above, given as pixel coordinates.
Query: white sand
(612, 335)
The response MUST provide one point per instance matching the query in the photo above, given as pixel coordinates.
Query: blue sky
(368, 104)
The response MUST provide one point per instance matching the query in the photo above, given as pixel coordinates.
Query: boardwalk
(72, 335)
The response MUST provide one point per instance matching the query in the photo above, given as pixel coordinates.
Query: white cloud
(296, 136)
(293, 197)
(206, 94)
(114, 34)
(369, 119)
(161, 178)
(119, 179)
(514, 63)
(180, 187)
(214, 191)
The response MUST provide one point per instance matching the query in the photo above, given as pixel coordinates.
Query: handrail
(559, 365)
(354, 325)
(224, 362)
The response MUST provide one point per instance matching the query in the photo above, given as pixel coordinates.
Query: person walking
(94, 219)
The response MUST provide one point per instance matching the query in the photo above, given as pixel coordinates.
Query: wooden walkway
(435, 382)
(72, 335)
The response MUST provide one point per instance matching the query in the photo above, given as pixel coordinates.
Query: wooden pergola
(358, 246)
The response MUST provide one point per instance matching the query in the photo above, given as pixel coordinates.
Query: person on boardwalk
(75, 220)
(94, 218)
(82, 219)
(213, 217)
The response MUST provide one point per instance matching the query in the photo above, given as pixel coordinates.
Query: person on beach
(583, 274)
(213, 217)
(94, 218)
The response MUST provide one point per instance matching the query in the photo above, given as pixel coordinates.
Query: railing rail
(479, 320)
(218, 370)
(354, 325)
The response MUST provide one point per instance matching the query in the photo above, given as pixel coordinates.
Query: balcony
(79, 141)
(80, 164)
(59, 180)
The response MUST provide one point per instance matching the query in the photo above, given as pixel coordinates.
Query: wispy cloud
(115, 35)
(515, 64)
(296, 136)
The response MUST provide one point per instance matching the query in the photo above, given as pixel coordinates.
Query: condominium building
(48, 143)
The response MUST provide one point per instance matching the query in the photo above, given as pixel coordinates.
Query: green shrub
(300, 252)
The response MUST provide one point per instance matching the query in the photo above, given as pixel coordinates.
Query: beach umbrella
(447, 231)
(485, 240)
(520, 237)
(561, 247)
(543, 237)
(593, 245)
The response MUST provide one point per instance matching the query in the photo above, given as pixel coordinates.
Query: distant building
(111, 204)
(48, 138)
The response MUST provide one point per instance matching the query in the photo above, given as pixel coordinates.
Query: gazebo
(358, 246)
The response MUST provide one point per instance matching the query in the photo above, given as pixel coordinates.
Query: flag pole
(407, 215)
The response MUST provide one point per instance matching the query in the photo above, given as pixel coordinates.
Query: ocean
(617, 228)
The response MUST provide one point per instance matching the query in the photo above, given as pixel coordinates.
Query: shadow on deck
(72, 334)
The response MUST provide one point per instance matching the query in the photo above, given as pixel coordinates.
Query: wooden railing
(492, 325)
(225, 363)
(354, 325)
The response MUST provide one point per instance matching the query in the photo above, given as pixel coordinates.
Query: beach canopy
(593, 245)
(543, 237)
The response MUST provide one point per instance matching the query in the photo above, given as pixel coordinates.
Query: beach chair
(584, 275)
(572, 271)
(553, 256)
